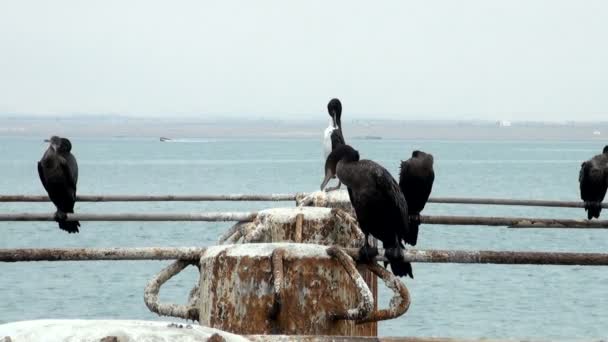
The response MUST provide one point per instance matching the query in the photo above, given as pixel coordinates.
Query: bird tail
(414, 223)
(400, 268)
(69, 226)
(593, 209)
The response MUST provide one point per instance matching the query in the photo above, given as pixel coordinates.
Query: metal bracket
(400, 302)
(366, 302)
(152, 289)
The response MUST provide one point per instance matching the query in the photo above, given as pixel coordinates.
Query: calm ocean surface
(448, 300)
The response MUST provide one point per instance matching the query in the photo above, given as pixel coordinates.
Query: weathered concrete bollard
(334, 199)
(322, 226)
(238, 292)
(280, 288)
(339, 200)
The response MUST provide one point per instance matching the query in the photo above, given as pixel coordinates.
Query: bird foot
(392, 253)
(60, 216)
(367, 253)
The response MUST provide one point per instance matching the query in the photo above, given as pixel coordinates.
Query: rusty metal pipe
(85, 254)
(284, 197)
(209, 217)
(153, 288)
(512, 222)
(366, 298)
(400, 302)
(155, 198)
(510, 202)
(194, 253)
(320, 338)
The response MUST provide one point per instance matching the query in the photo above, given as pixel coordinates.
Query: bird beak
(328, 177)
(47, 140)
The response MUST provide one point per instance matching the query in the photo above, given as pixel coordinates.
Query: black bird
(593, 179)
(416, 182)
(333, 136)
(379, 204)
(58, 173)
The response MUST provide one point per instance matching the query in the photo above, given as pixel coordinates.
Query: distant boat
(370, 137)
(597, 133)
(164, 139)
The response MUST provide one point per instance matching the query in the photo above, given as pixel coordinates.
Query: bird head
(60, 145)
(334, 108)
(341, 153)
(54, 142)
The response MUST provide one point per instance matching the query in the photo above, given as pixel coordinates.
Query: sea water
(451, 300)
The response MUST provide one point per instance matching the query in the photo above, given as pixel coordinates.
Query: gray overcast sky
(511, 59)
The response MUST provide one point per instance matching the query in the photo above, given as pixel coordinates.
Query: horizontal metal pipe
(210, 216)
(155, 198)
(194, 253)
(282, 197)
(513, 202)
(513, 222)
(322, 338)
(116, 253)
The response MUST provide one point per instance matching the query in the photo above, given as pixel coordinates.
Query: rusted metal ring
(400, 302)
(366, 303)
(174, 310)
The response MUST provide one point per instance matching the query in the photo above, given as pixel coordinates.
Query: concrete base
(110, 331)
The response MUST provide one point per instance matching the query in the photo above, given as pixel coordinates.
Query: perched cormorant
(416, 182)
(593, 179)
(333, 136)
(379, 204)
(58, 173)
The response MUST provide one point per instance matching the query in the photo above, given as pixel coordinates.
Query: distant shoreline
(250, 128)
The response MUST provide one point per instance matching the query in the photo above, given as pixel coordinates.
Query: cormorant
(333, 136)
(380, 206)
(416, 182)
(58, 173)
(593, 179)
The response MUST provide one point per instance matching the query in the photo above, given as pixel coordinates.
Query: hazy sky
(452, 59)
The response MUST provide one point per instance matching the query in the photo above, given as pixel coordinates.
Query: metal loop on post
(400, 302)
(277, 275)
(189, 311)
(366, 298)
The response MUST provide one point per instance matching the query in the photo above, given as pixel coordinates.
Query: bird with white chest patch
(333, 136)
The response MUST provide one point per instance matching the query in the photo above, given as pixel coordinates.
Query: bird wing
(70, 170)
(41, 175)
(354, 200)
(581, 174)
(416, 183)
(336, 138)
(386, 184)
(582, 179)
(428, 186)
(403, 175)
